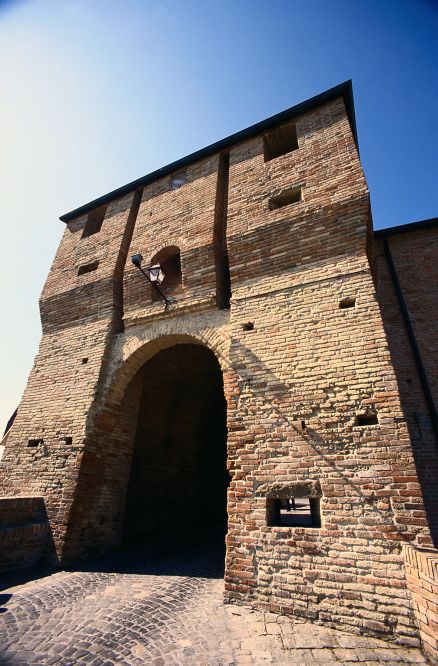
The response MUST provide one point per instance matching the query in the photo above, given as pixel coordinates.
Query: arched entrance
(178, 479)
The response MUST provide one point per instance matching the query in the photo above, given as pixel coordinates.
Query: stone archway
(178, 479)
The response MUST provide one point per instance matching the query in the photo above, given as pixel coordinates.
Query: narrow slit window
(293, 512)
(290, 196)
(367, 419)
(94, 222)
(88, 268)
(280, 141)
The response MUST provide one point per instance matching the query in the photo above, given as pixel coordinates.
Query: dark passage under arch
(179, 479)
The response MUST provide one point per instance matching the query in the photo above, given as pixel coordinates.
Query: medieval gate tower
(281, 394)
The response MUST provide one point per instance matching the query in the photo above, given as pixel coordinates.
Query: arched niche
(169, 259)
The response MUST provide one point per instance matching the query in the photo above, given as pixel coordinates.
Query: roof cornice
(406, 228)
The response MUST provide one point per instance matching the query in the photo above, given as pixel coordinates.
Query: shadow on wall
(256, 379)
(192, 553)
(26, 539)
(414, 405)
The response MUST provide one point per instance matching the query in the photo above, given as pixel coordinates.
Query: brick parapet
(24, 532)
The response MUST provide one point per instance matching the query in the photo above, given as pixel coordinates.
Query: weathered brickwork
(24, 532)
(121, 426)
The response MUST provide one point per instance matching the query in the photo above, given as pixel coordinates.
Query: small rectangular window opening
(88, 268)
(290, 196)
(367, 419)
(280, 141)
(94, 222)
(294, 512)
(35, 442)
(68, 440)
(248, 326)
(347, 302)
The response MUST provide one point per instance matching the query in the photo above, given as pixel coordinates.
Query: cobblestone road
(137, 609)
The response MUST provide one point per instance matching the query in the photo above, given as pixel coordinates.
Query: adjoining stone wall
(422, 576)
(414, 256)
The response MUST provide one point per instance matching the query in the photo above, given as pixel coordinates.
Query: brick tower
(265, 396)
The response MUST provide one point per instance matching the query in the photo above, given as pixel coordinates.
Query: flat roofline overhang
(406, 228)
(344, 90)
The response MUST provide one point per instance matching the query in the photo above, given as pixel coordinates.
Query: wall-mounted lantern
(155, 275)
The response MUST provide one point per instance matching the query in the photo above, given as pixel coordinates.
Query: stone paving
(163, 609)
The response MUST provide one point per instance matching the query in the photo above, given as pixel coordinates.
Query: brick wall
(422, 576)
(414, 257)
(183, 218)
(80, 314)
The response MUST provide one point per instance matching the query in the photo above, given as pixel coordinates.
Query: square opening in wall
(88, 268)
(35, 442)
(347, 302)
(368, 419)
(94, 222)
(289, 196)
(293, 512)
(280, 141)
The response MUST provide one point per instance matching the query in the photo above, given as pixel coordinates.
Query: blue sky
(95, 93)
